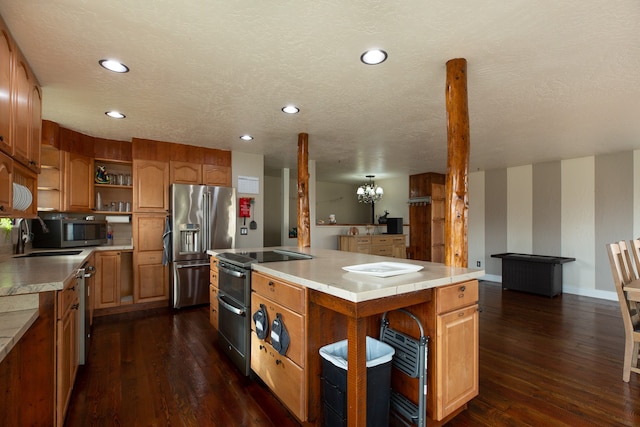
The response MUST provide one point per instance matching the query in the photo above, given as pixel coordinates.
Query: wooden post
(304, 228)
(456, 184)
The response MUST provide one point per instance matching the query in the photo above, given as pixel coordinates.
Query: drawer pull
(262, 347)
(278, 361)
(72, 288)
(463, 288)
(461, 314)
(271, 283)
(75, 306)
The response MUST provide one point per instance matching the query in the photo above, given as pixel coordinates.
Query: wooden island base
(333, 319)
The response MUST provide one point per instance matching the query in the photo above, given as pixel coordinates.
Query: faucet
(23, 235)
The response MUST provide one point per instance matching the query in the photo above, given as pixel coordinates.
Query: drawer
(149, 257)
(213, 307)
(67, 298)
(286, 294)
(366, 249)
(456, 296)
(364, 240)
(398, 240)
(285, 379)
(377, 240)
(213, 277)
(214, 262)
(293, 321)
(382, 250)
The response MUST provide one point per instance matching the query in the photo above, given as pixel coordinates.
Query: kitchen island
(341, 304)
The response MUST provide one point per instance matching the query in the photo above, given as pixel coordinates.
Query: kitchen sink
(49, 253)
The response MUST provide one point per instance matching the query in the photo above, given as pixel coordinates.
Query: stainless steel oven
(234, 319)
(234, 300)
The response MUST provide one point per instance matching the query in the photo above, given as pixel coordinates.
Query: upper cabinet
(185, 172)
(26, 108)
(150, 186)
(77, 176)
(20, 129)
(6, 66)
(195, 173)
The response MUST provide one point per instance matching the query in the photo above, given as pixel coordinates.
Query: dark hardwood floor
(543, 362)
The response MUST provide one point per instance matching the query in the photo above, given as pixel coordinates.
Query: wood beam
(304, 227)
(457, 185)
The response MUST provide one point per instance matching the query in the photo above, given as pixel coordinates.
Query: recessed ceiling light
(290, 109)
(246, 137)
(115, 114)
(373, 57)
(115, 66)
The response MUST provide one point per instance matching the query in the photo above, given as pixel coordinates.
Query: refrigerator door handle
(206, 244)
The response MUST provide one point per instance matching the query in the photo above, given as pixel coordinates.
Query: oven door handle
(231, 308)
(232, 272)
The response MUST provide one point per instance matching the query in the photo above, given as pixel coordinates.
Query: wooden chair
(630, 318)
(628, 266)
(634, 248)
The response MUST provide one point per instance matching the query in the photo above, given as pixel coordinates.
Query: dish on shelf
(383, 269)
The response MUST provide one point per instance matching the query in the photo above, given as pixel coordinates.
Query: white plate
(383, 269)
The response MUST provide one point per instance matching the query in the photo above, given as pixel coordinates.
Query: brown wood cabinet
(51, 180)
(113, 279)
(107, 279)
(6, 68)
(6, 184)
(426, 216)
(216, 175)
(150, 186)
(150, 277)
(213, 293)
(195, 173)
(28, 372)
(185, 172)
(384, 245)
(284, 375)
(453, 362)
(67, 347)
(78, 174)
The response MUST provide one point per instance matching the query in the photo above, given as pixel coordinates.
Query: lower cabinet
(66, 347)
(213, 293)
(283, 374)
(378, 244)
(150, 276)
(453, 362)
(113, 280)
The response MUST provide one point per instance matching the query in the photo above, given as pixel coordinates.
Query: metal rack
(410, 358)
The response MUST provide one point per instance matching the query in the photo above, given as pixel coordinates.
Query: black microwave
(69, 233)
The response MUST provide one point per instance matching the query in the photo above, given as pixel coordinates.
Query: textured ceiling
(547, 80)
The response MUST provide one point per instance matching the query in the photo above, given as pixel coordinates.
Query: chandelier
(369, 192)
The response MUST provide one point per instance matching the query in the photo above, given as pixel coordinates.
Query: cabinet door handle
(75, 306)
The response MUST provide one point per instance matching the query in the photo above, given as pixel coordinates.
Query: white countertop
(22, 278)
(28, 275)
(324, 273)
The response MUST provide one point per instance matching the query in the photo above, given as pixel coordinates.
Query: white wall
(244, 164)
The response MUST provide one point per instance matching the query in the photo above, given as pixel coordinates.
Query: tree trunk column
(304, 229)
(456, 185)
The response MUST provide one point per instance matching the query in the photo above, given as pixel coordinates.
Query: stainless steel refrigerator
(202, 218)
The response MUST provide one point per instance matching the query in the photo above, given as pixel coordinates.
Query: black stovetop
(245, 259)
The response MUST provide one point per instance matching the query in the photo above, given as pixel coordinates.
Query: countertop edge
(14, 325)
